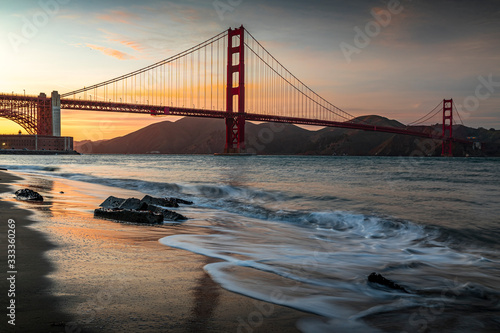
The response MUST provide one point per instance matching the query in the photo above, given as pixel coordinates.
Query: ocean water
(305, 232)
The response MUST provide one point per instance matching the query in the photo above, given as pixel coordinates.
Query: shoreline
(37, 152)
(112, 277)
(36, 309)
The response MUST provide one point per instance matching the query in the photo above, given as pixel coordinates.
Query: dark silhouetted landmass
(207, 136)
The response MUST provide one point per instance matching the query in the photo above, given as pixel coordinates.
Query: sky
(397, 59)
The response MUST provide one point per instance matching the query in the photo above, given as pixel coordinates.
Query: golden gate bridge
(230, 76)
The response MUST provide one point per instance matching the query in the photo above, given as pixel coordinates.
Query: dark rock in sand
(167, 214)
(28, 195)
(133, 204)
(129, 215)
(146, 210)
(379, 279)
(165, 202)
(112, 202)
(173, 216)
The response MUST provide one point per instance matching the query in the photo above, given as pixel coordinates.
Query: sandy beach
(35, 307)
(80, 274)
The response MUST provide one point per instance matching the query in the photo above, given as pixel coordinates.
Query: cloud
(111, 52)
(119, 16)
(125, 41)
(133, 45)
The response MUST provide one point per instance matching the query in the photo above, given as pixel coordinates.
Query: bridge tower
(235, 92)
(48, 117)
(43, 115)
(447, 128)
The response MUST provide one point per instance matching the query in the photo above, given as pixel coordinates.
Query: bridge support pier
(235, 120)
(447, 148)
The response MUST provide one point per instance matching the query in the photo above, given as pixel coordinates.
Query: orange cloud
(114, 37)
(118, 16)
(111, 52)
(133, 45)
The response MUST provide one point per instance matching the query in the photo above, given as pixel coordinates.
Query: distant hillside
(207, 136)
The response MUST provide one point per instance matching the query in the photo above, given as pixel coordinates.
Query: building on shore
(36, 143)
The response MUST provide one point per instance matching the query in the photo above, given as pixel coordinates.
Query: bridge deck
(158, 110)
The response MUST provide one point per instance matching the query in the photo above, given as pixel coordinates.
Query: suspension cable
(299, 81)
(142, 70)
(459, 117)
(418, 121)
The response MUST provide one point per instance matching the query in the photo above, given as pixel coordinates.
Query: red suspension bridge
(230, 76)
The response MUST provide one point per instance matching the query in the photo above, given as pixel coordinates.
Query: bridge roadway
(159, 110)
(156, 110)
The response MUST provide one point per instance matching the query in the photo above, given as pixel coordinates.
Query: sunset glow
(414, 56)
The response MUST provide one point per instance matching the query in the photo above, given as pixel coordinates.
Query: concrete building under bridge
(36, 143)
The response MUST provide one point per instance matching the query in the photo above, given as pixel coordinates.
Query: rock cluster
(28, 195)
(148, 210)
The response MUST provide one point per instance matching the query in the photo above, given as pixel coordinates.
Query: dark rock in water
(134, 204)
(180, 201)
(127, 215)
(165, 202)
(167, 214)
(112, 202)
(379, 279)
(28, 195)
(147, 210)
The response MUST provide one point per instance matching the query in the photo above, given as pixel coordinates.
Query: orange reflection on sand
(66, 199)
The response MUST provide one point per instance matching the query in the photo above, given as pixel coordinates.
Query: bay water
(307, 231)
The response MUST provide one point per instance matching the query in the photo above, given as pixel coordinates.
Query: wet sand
(36, 308)
(91, 275)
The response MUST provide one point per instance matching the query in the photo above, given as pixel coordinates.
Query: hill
(207, 136)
